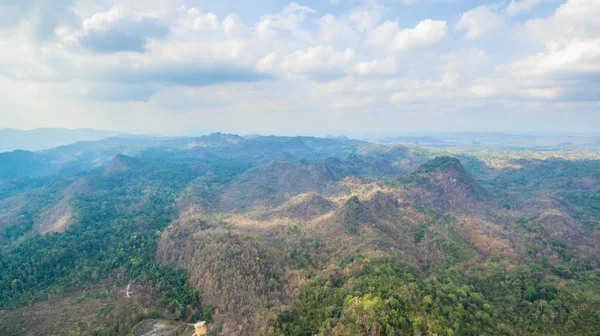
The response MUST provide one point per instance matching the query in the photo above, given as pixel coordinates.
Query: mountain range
(265, 235)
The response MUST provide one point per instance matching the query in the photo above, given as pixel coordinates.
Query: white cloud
(233, 26)
(267, 63)
(479, 22)
(289, 19)
(466, 60)
(386, 67)
(365, 19)
(576, 59)
(569, 67)
(383, 35)
(193, 62)
(37, 18)
(320, 63)
(349, 28)
(443, 89)
(334, 30)
(201, 50)
(426, 33)
(349, 103)
(192, 20)
(520, 6)
(568, 70)
(572, 21)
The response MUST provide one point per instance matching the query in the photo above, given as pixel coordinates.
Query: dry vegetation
(81, 312)
(251, 266)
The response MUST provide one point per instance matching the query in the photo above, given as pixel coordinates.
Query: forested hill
(297, 236)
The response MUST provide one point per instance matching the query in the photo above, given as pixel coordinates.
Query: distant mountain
(494, 140)
(44, 138)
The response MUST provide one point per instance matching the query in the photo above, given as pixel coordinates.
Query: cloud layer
(123, 35)
(354, 67)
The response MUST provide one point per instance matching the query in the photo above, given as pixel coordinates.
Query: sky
(351, 67)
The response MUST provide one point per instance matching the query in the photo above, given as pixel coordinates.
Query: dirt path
(128, 292)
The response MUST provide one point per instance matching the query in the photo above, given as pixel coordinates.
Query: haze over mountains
(45, 138)
(496, 140)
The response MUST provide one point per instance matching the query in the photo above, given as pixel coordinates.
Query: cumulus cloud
(383, 35)
(155, 57)
(426, 33)
(567, 70)
(365, 19)
(39, 18)
(479, 22)
(124, 35)
(289, 19)
(183, 74)
(568, 67)
(142, 83)
(126, 68)
(336, 30)
(320, 63)
(579, 59)
(574, 20)
(193, 20)
(386, 67)
(520, 6)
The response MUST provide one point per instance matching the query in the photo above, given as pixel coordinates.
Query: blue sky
(307, 67)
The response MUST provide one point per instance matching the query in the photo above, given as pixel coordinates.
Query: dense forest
(299, 236)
